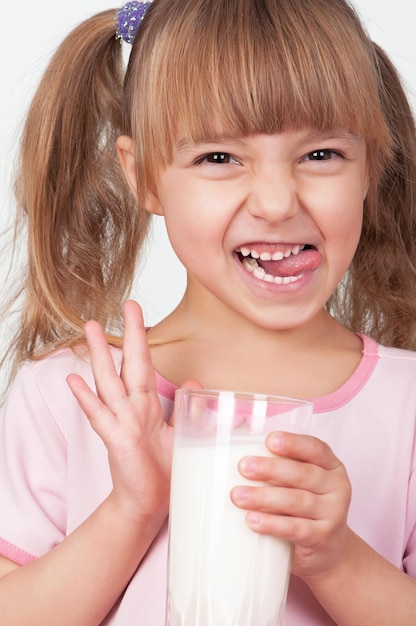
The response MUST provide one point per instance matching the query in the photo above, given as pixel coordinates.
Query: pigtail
(379, 296)
(84, 229)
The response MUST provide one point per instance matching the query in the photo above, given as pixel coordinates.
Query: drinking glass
(220, 572)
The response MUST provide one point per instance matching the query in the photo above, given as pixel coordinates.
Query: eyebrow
(185, 144)
(339, 134)
(314, 135)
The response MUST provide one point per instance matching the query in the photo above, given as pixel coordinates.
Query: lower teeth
(252, 266)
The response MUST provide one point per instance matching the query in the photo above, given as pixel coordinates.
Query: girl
(277, 143)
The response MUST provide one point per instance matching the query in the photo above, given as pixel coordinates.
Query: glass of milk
(221, 573)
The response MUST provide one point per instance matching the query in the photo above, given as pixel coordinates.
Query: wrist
(332, 571)
(371, 581)
(125, 514)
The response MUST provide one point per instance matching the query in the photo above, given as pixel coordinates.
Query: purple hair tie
(129, 17)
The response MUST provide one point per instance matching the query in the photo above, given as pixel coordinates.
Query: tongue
(293, 265)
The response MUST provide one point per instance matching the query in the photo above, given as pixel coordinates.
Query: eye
(217, 158)
(321, 155)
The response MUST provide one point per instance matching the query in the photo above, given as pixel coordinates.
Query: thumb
(189, 383)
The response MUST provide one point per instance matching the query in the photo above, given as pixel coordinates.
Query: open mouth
(282, 265)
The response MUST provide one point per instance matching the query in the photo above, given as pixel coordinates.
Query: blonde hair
(84, 231)
(198, 67)
(243, 67)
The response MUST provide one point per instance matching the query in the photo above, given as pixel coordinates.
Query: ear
(367, 176)
(125, 152)
(366, 185)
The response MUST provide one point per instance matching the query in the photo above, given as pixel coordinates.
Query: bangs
(251, 66)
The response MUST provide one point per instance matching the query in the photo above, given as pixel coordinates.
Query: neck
(203, 339)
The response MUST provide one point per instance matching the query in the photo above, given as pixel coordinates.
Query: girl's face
(266, 225)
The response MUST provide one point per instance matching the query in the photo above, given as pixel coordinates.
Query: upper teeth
(268, 256)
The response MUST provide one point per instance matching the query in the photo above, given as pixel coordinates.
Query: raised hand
(305, 500)
(125, 412)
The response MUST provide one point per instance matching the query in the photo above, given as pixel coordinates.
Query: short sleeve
(32, 473)
(409, 560)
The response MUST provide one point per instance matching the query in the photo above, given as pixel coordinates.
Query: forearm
(79, 581)
(366, 589)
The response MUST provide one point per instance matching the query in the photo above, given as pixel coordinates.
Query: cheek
(339, 212)
(201, 215)
(347, 220)
(189, 233)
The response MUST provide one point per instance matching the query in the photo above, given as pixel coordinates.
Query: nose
(273, 197)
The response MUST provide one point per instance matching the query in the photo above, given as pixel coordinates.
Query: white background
(31, 31)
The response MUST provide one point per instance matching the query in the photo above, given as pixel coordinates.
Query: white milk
(221, 573)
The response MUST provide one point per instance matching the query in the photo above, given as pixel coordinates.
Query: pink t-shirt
(54, 471)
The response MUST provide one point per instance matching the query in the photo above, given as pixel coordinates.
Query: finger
(284, 472)
(108, 383)
(190, 383)
(137, 370)
(100, 417)
(279, 501)
(298, 530)
(303, 448)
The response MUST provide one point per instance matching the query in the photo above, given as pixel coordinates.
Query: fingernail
(276, 441)
(253, 519)
(248, 465)
(240, 494)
